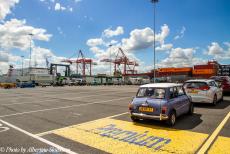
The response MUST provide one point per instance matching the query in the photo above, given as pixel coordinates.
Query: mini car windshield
(157, 93)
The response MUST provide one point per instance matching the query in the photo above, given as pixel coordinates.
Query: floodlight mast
(31, 35)
(154, 44)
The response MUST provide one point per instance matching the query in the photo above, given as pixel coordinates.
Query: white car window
(141, 92)
(212, 84)
(195, 85)
(215, 84)
(156, 93)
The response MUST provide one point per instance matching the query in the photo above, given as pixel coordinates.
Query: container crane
(122, 59)
(82, 63)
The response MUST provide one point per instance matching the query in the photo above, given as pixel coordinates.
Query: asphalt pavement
(96, 120)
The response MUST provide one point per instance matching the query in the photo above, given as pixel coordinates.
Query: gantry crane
(122, 59)
(82, 63)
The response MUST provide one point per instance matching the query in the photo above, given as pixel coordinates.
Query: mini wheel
(172, 119)
(134, 119)
(191, 109)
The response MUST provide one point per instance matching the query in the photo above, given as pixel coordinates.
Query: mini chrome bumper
(145, 116)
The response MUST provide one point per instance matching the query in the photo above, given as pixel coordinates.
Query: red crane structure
(122, 59)
(82, 63)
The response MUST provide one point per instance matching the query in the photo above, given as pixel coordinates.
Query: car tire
(134, 119)
(222, 98)
(214, 100)
(172, 119)
(191, 109)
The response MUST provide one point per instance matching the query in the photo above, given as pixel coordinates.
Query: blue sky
(197, 30)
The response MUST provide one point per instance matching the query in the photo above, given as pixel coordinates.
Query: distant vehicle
(28, 84)
(225, 82)
(160, 101)
(7, 85)
(204, 91)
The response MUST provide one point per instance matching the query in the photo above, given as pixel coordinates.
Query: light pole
(110, 59)
(154, 44)
(22, 63)
(31, 35)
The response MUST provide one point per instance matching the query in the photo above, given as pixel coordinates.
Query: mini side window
(180, 91)
(171, 94)
(175, 91)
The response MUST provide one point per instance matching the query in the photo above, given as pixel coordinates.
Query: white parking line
(63, 107)
(62, 149)
(27, 102)
(52, 99)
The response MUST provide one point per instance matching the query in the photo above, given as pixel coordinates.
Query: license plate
(145, 109)
(193, 91)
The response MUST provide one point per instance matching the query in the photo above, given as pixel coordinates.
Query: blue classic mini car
(160, 101)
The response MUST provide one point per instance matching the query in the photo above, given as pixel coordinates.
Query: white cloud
(215, 50)
(144, 38)
(5, 7)
(95, 42)
(181, 57)
(77, 1)
(58, 7)
(181, 34)
(71, 9)
(96, 50)
(110, 33)
(219, 52)
(4, 56)
(164, 47)
(227, 44)
(14, 34)
(163, 34)
(139, 39)
(6, 59)
(181, 53)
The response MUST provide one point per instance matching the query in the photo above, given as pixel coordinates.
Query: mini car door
(184, 101)
(174, 100)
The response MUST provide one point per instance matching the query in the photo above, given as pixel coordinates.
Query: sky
(188, 32)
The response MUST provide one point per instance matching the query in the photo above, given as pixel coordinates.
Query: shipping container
(203, 76)
(205, 67)
(204, 71)
(173, 70)
(224, 70)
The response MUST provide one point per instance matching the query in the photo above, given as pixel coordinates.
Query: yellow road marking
(221, 145)
(117, 136)
(51, 131)
(207, 144)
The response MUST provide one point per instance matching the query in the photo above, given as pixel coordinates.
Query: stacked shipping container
(224, 70)
(206, 71)
(187, 71)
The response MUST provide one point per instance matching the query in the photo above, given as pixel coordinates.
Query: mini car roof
(161, 85)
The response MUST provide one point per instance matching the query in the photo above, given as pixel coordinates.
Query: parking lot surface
(96, 120)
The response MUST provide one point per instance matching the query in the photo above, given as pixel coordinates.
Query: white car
(203, 91)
